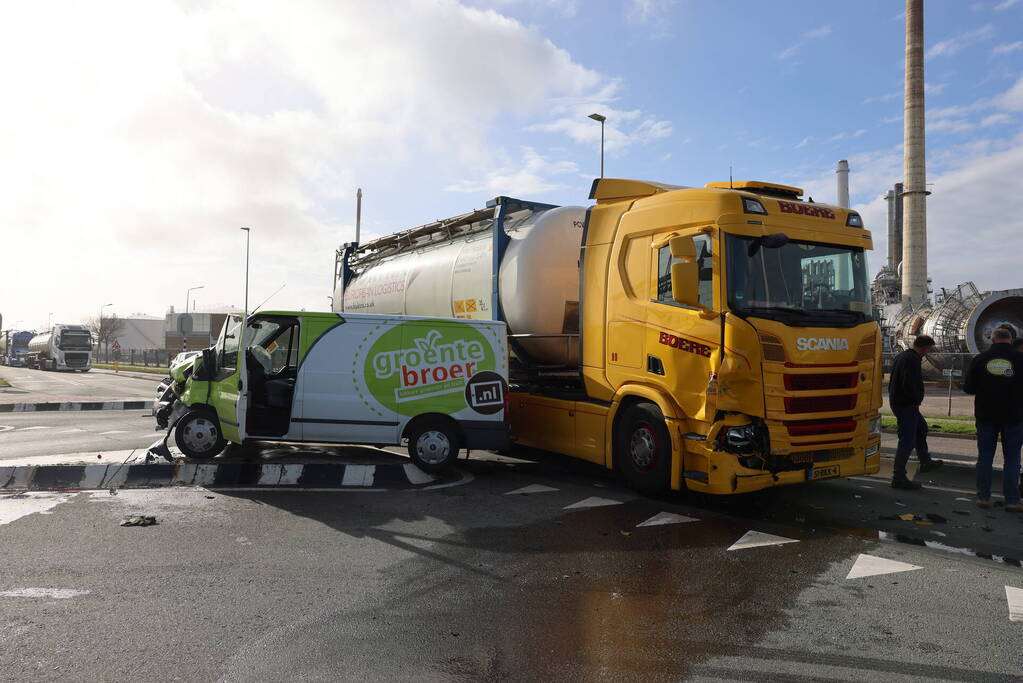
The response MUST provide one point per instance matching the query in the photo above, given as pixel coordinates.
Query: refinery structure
(960, 318)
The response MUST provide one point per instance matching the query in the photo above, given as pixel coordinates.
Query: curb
(216, 475)
(938, 435)
(73, 406)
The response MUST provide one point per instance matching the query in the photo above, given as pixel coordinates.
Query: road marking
(416, 476)
(28, 429)
(757, 539)
(871, 565)
(667, 518)
(1014, 596)
(533, 488)
(114, 431)
(70, 431)
(59, 593)
(358, 475)
(592, 502)
(6, 428)
(21, 505)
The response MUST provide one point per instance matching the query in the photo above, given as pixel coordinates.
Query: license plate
(823, 472)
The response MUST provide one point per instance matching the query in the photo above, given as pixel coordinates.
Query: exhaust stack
(914, 175)
(842, 176)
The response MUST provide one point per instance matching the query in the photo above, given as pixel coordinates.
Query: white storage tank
(538, 280)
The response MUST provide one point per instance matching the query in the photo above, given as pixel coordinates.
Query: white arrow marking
(756, 539)
(60, 593)
(592, 502)
(871, 565)
(533, 488)
(667, 518)
(113, 431)
(1014, 596)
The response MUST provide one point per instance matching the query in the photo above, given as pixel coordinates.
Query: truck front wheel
(643, 448)
(197, 435)
(433, 446)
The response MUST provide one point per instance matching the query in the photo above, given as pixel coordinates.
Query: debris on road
(139, 520)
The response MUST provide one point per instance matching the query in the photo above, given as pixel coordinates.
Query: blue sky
(141, 135)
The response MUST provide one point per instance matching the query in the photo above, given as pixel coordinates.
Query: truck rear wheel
(433, 446)
(197, 435)
(642, 448)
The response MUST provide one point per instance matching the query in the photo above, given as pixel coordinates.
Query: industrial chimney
(842, 176)
(914, 176)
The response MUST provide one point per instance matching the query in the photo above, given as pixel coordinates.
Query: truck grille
(819, 404)
(76, 360)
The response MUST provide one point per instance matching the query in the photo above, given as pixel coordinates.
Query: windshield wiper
(780, 309)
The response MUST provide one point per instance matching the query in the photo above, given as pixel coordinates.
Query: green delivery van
(439, 384)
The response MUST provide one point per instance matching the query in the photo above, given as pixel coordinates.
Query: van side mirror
(685, 273)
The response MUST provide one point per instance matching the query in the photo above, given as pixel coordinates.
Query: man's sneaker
(931, 465)
(1014, 507)
(906, 484)
(981, 503)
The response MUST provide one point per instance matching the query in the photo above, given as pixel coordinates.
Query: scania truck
(64, 347)
(717, 339)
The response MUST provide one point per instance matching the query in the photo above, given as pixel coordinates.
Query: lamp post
(602, 119)
(188, 294)
(99, 330)
(49, 321)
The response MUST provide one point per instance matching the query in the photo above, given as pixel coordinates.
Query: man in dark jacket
(905, 394)
(995, 378)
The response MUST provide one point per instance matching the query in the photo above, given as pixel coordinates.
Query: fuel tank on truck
(446, 269)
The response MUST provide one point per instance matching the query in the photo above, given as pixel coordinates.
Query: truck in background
(64, 347)
(718, 339)
(14, 347)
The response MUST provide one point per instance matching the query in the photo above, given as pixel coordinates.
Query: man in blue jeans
(905, 394)
(995, 378)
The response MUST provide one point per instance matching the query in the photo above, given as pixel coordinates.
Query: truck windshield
(800, 283)
(75, 340)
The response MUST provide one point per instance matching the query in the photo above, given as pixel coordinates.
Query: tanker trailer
(515, 261)
(719, 339)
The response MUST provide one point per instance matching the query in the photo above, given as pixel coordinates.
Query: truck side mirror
(685, 273)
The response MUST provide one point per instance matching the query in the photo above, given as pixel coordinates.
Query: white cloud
(804, 142)
(648, 11)
(530, 176)
(1006, 4)
(622, 130)
(138, 136)
(995, 120)
(1007, 48)
(934, 88)
(951, 46)
(818, 32)
(789, 51)
(860, 132)
(1013, 99)
(835, 138)
(883, 98)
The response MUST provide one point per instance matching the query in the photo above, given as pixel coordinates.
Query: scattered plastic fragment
(906, 517)
(901, 505)
(139, 520)
(626, 533)
(816, 507)
(922, 523)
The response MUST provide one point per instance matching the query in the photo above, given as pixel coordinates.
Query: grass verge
(945, 426)
(132, 368)
(4, 383)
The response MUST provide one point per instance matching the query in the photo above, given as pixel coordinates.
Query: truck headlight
(872, 450)
(875, 427)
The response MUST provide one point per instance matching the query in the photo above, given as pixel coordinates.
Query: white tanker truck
(64, 347)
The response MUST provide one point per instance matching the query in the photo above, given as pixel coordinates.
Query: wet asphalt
(467, 583)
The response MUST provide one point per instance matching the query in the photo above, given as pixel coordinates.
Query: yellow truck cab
(727, 342)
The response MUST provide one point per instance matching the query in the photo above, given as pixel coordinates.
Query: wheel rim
(200, 435)
(433, 447)
(643, 447)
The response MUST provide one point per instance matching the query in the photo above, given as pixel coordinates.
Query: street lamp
(49, 321)
(602, 119)
(189, 292)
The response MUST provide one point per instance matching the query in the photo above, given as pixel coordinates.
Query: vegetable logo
(415, 367)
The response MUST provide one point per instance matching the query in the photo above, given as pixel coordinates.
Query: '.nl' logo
(416, 368)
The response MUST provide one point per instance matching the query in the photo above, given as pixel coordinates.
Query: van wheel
(197, 435)
(433, 446)
(643, 448)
